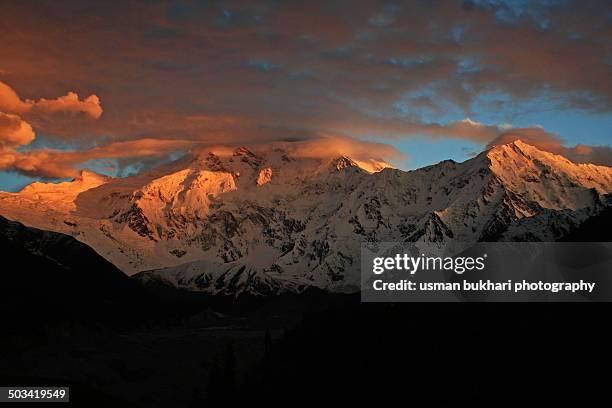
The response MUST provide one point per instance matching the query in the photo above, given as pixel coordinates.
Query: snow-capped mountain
(264, 221)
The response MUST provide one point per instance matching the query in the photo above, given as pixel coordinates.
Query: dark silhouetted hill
(50, 277)
(595, 229)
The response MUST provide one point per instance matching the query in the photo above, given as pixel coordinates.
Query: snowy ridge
(264, 221)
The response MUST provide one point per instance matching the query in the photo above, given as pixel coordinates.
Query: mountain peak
(243, 151)
(89, 176)
(519, 164)
(86, 179)
(343, 162)
(518, 148)
(516, 145)
(519, 143)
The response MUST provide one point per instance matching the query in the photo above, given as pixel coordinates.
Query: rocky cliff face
(264, 221)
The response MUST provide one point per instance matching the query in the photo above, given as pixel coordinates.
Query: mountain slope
(595, 229)
(53, 277)
(265, 221)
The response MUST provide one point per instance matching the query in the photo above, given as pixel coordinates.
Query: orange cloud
(389, 128)
(14, 131)
(62, 164)
(324, 146)
(69, 103)
(535, 136)
(10, 101)
(333, 146)
(7, 159)
(370, 156)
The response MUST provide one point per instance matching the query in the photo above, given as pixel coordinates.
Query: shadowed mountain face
(264, 221)
(595, 229)
(50, 277)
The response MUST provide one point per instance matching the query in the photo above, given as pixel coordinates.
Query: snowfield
(263, 221)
